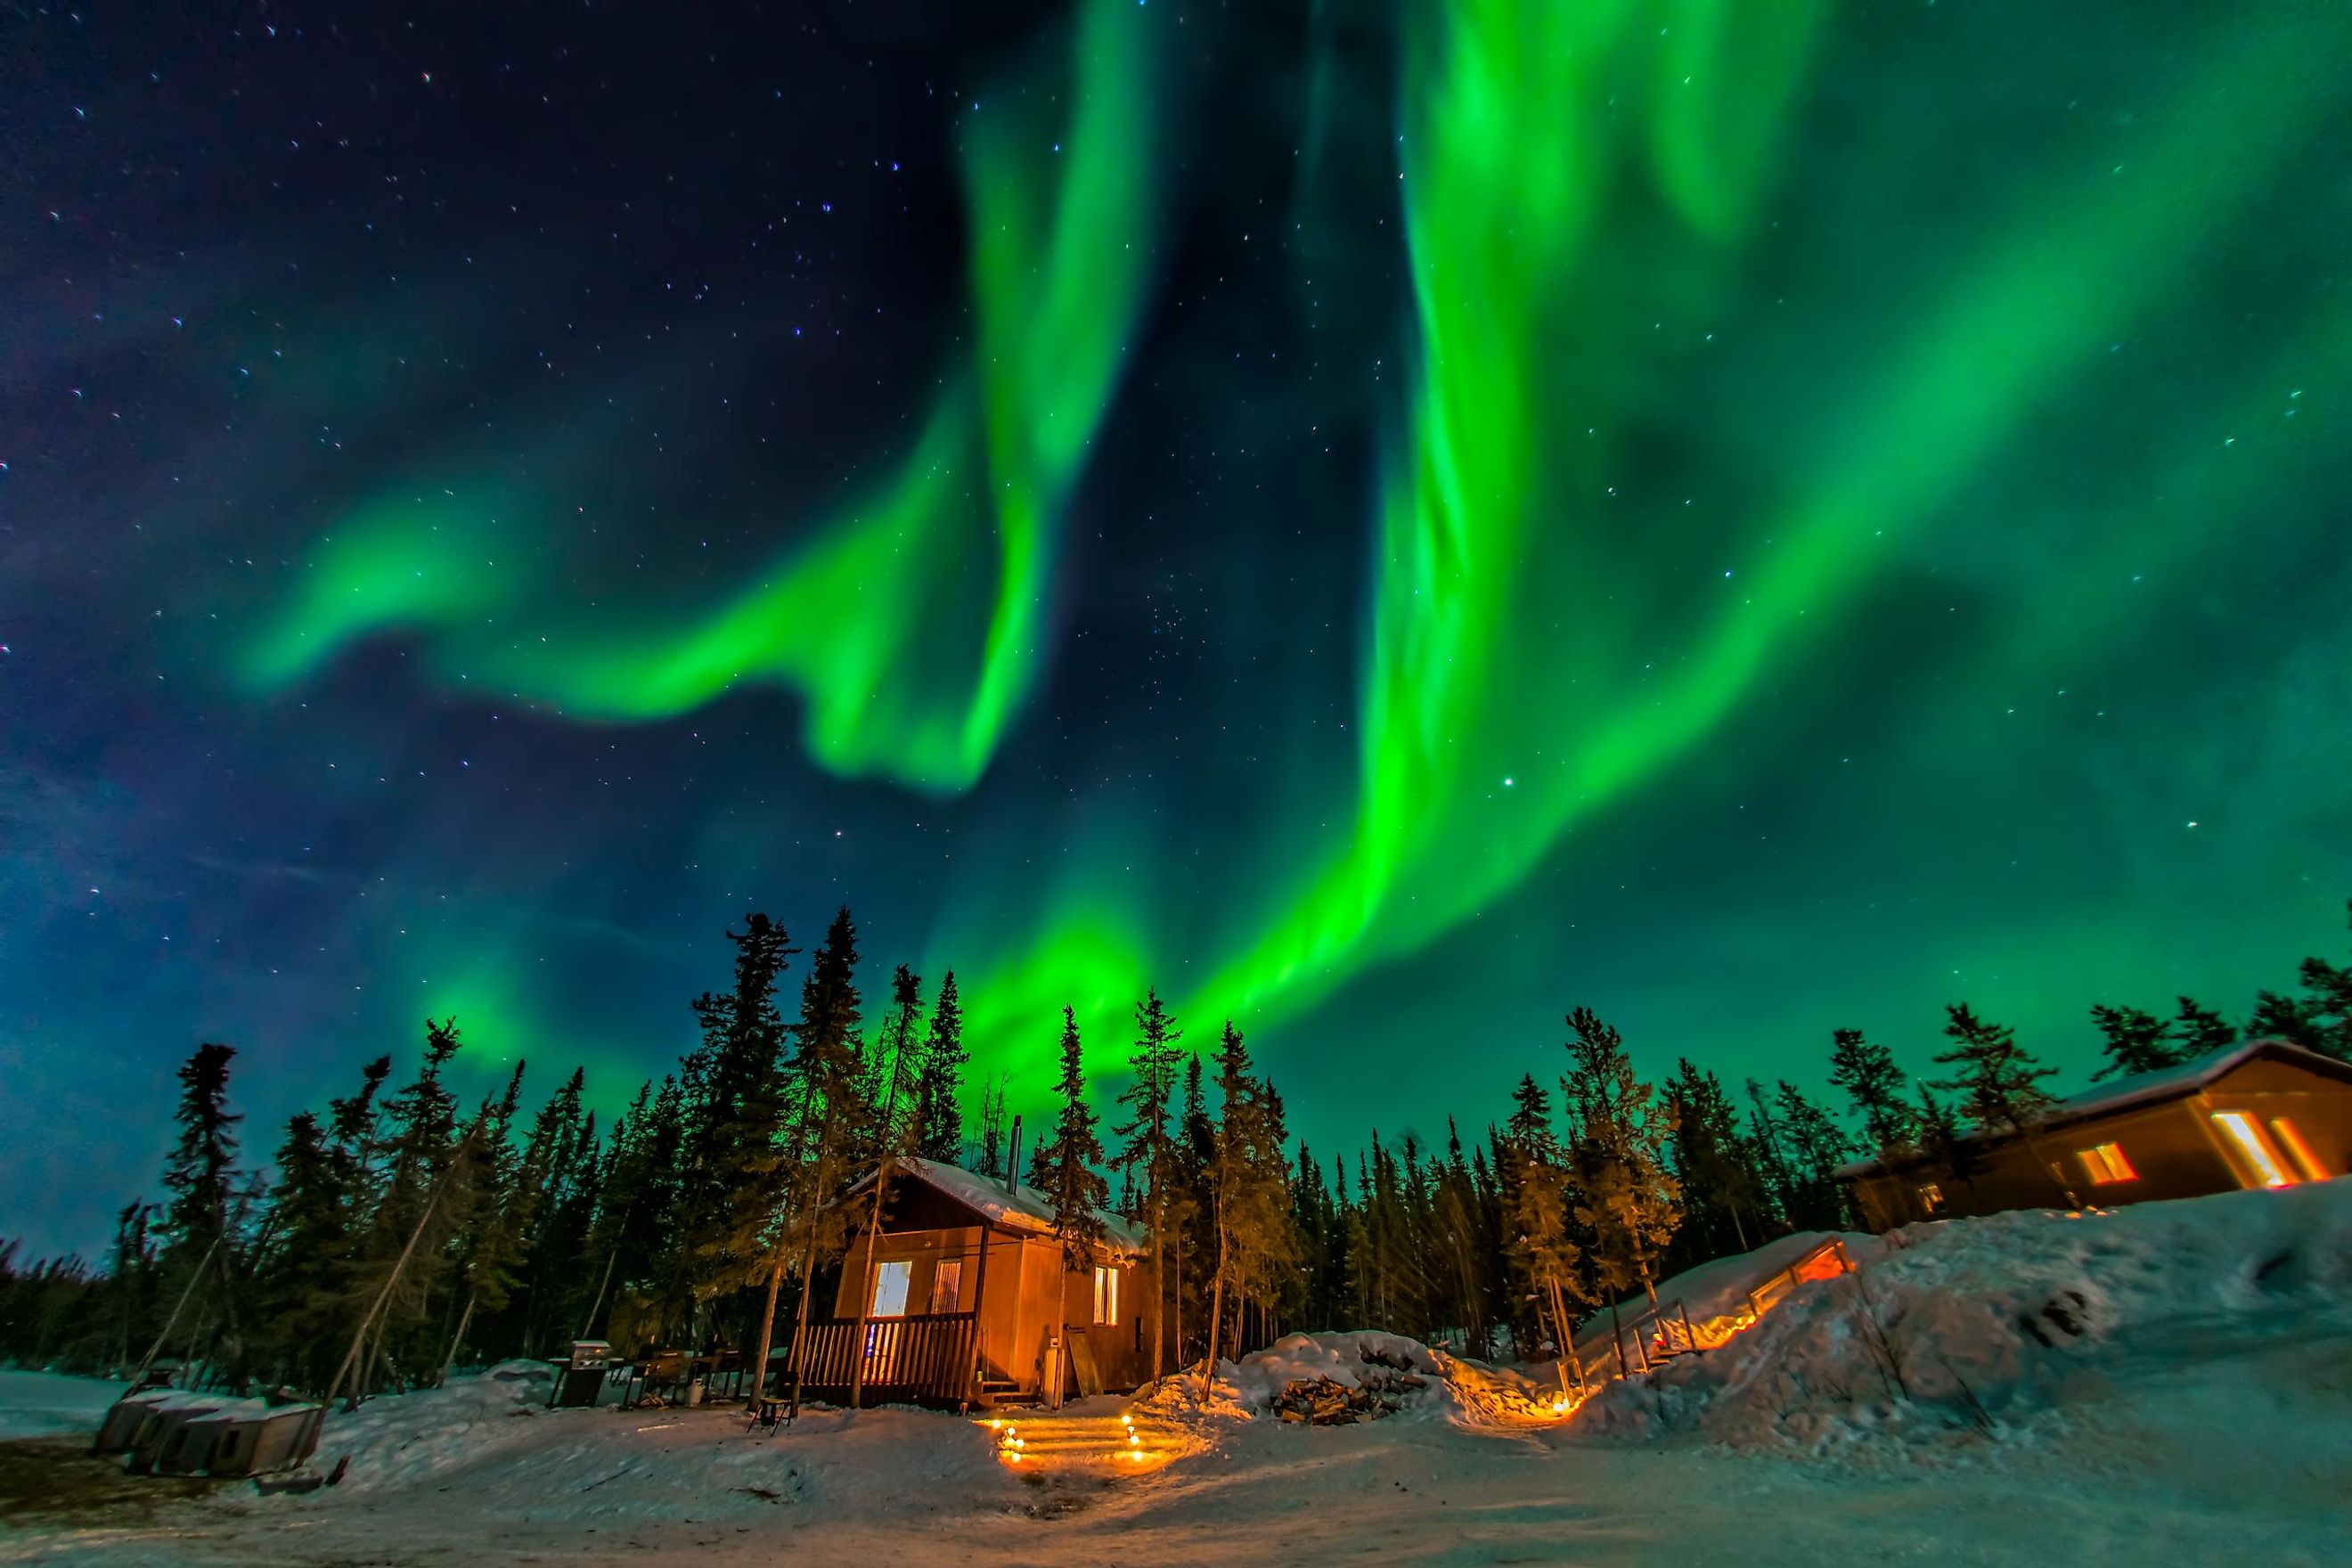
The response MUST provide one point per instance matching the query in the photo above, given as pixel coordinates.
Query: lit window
(1106, 1295)
(890, 1288)
(1931, 1197)
(2256, 1148)
(2298, 1150)
(947, 1285)
(2106, 1164)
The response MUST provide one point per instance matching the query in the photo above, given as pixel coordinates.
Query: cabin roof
(2174, 1082)
(1015, 1207)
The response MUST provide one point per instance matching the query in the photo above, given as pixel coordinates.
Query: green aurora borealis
(1755, 516)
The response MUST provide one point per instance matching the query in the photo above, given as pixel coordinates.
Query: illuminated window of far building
(1106, 1295)
(947, 1285)
(2106, 1164)
(2298, 1150)
(1931, 1197)
(2247, 1135)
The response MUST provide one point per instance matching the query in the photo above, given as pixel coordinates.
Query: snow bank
(1973, 1327)
(50, 1405)
(490, 1440)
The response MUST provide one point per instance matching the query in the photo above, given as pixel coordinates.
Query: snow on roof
(2149, 1088)
(1017, 1207)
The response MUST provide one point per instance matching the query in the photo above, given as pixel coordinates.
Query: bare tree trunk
(808, 1271)
(597, 1305)
(767, 1341)
(1216, 1304)
(464, 1320)
(180, 1306)
(865, 1284)
(399, 1266)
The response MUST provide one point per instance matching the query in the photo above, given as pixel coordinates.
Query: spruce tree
(2136, 1041)
(1148, 1151)
(2200, 1030)
(1710, 1159)
(730, 1176)
(1071, 1182)
(1867, 1072)
(1536, 1208)
(1248, 1188)
(2000, 1084)
(200, 1263)
(938, 1089)
(831, 1114)
(1817, 1146)
(1626, 1194)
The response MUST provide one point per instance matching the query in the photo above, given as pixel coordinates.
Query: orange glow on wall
(2256, 1148)
(2298, 1150)
(2106, 1164)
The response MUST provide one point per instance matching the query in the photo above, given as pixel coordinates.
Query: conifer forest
(404, 1229)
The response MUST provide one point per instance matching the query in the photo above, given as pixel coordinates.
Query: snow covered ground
(35, 1404)
(2168, 1383)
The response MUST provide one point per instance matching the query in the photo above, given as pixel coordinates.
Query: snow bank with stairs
(1973, 1328)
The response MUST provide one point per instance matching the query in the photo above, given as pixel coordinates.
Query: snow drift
(1975, 1326)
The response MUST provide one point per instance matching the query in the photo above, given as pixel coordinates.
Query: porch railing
(925, 1359)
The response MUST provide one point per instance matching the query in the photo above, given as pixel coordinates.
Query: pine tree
(731, 1177)
(1817, 1146)
(2136, 1041)
(1999, 1083)
(1148, 1151)
(832, 1112)
(1874, 1084)
(1248, 1188)
(2201, 1030)
(1951, 1154)
(1536, 1217)
(1720, 1186)
(199, 1257)
(938, 1090)
(1071, 1182)
(1620, 1129)
(297, 1278)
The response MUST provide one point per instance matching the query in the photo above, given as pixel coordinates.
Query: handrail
(1675, 1335)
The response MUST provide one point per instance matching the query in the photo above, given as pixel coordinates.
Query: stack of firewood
(1381, 1389)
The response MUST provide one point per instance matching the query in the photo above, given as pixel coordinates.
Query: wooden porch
(929, 1358)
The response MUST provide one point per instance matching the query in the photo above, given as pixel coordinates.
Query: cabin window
(947, 1285)
(1106, 1295)
(2247, 1135)
(1931, 1197)
(2106, 1164)
(2298, 1150)
(890, 1280)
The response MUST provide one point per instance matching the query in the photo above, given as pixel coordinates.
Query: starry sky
(1385, 520)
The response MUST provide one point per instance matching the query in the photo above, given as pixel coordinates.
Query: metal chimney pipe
(1013, 1161)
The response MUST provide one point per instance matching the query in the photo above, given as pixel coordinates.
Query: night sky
(1388, 520)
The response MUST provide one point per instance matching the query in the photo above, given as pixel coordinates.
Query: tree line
(399, 1231)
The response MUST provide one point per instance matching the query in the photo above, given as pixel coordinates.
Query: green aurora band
(1060, 251)
(1570, 173)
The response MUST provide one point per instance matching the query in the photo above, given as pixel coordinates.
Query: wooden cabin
(969, 1301)
(2265, 1113)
